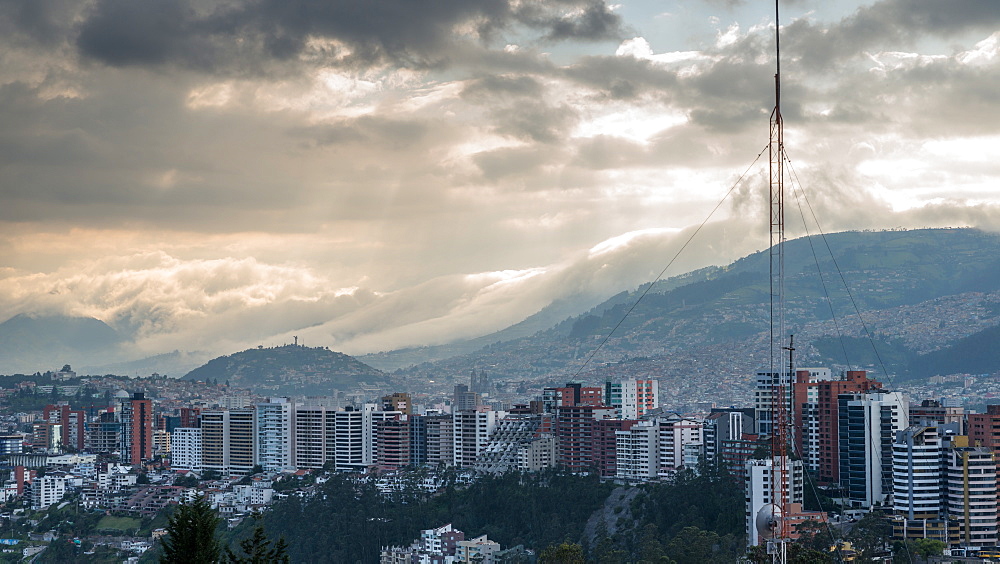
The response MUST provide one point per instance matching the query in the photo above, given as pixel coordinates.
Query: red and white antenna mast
(780, 382)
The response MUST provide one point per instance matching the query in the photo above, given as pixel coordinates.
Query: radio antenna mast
(780, 382)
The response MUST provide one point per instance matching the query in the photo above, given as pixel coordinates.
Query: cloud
(240, 37)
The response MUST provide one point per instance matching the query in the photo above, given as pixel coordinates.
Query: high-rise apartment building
(676, 433)
(634, 397)
(229, 440)
(760, 473)
(136, 415)
(638, 452)
(185, 449)
(275, 441)
(315, 435)
(828, 432)
(73, 424)
(471, 430)
(575, 430)
(868, 424)
(392, 438)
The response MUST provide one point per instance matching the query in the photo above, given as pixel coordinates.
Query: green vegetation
(258, 550)
(291, 368)
(191, 535)
(691, 519)
(111, 523)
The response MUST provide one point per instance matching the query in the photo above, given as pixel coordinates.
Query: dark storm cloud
(43, 21)
(891, 22)
(237, 36)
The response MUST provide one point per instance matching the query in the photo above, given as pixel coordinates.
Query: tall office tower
(418, 440)
(392, 437)
(634, 397)
(464, 399)
(440, 440)
(972, 492)
(574, 428)
(104, 435)
(828, 433)
(73, 422)
(805, 413)
(759, 474)
(314, 435)
(399, 401)
(471, 430)
(724, 424)
(867, 429)
(185, 449)
(275, 446)
(573, 393)
(242, 441)
(638, 452)
(137, 429)
(215, 440)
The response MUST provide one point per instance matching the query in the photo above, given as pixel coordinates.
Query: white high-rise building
(634, 397)
(759, 475)
(275, 450)
(185, 449)
(637, 452)
(349, 449)
(675, 433)
(972, 492)
(918, 471)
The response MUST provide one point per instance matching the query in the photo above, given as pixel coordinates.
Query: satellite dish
(768, 519)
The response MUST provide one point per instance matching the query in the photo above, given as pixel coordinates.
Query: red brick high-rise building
(137, 429)
(857, 382)
(984, 428)
(575, 427)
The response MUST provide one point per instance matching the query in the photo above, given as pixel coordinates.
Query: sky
(378, 174)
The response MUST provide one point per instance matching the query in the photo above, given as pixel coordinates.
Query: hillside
(46, 342)
(918, 291)
(290, 369)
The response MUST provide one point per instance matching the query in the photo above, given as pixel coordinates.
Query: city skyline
(375, 179)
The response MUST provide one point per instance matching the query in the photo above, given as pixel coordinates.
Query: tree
(258, 550)
(190, 537)
(694, 545)
(565, 553)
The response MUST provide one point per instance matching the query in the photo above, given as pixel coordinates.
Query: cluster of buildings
(447, 545)
(931, 466)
